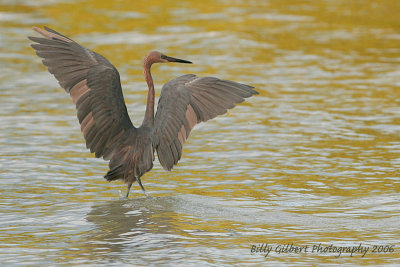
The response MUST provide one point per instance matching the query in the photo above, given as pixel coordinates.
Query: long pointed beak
(172, 59)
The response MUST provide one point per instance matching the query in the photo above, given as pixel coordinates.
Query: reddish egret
(95, 88)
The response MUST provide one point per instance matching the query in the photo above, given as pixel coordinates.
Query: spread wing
(186, 101)
(94, 86)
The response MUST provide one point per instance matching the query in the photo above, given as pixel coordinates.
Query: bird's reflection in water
(140, 224)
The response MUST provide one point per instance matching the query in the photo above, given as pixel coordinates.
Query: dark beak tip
(183, 61)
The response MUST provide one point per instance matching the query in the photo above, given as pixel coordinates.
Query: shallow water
(314, 159)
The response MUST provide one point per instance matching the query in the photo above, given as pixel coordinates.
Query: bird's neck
(149, 115)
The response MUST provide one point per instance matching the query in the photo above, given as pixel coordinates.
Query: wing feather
(186, 101)
(94, 86)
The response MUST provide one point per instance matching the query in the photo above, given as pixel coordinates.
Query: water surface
(313, 159)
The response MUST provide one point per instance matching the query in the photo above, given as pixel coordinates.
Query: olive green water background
(313, 159)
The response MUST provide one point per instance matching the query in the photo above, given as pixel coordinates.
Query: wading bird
(95, 88)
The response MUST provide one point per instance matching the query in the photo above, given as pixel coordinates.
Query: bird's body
(94, 86)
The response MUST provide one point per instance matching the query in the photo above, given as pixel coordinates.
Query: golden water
(313, 159)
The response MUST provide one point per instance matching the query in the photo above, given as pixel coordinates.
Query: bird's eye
(163, 56)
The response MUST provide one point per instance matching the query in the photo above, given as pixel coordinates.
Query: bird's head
(158, 57)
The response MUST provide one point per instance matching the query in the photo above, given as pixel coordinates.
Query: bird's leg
(141, 186)
(128, 189)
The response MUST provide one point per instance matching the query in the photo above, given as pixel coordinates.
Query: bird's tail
(114, 174)
(130, 163)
